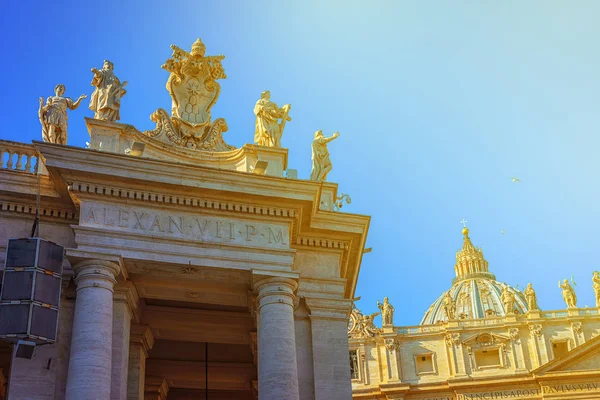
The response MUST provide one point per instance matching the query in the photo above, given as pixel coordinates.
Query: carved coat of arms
(194, 89)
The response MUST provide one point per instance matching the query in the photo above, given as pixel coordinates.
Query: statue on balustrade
(449, 306)
(508, 300)
(568, 293)
(53, 115)
(596, 281)
(268, 128)
(387, 312)
(321, 164)
(106, 99)
(531, 298)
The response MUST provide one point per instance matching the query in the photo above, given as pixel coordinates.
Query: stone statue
(194, 89)
(106, 99)
(568, 293)
(321, 164)
(531, 298)
(268, 128)
(53, 115)
(387, 312)
(449, 306)
(508, 300)
(596, 281)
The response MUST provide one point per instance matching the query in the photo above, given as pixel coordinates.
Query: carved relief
(190, 271)
(577, 327)
(362, 326)
(194, 89)
(391, 344)
(513, 333)
(536, 330)
(452, 339)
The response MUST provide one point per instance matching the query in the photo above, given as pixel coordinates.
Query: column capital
(127, 293)
(156, 386)
(141, 335)
(329, 308)
(275, 289)
(96, 273)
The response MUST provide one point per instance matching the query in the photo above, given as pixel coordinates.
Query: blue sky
(438, 104)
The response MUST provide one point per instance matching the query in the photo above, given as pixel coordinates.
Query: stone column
(91, 344)
(141, 340)
(124, 304)
(277, 368)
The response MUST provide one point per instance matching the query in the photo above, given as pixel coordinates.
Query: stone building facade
(171, 256)
(480, 340)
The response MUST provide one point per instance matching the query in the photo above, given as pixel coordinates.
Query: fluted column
(277, 368)
(91, 344)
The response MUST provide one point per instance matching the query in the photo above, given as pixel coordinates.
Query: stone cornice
(46, 212)
(171, 198)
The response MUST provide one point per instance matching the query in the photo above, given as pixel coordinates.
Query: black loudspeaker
(30, 292)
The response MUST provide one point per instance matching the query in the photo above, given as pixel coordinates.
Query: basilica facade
(191, 268)
(480, 340)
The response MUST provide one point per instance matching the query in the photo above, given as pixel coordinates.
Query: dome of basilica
(475, 292)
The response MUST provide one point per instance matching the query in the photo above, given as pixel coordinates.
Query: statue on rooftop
(106, 99)
(449, 306)
(53, 115)
(531, 298)
(596, 282)
(508, 300)
(268, 128)
(194, 89)
(387, 312)
(568, 293)
(321, 164)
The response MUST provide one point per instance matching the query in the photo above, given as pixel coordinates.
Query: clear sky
(438, 104)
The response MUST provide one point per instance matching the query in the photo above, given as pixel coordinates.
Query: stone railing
(408, 330)
(18, 157)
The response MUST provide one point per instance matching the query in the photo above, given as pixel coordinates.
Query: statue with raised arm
(106, 99)
(568, 293)
(321, 164)
(387, 312)
(449, 306)
(596, 282)
(53, 115)
(508, 300)
(269, 130)
(531, 298)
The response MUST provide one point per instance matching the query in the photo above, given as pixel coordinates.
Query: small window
(424, 364)
(354, 364)
(487, 358)
(560, 348)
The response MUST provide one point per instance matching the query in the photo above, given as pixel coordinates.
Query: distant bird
(515, 180)
(503, 231)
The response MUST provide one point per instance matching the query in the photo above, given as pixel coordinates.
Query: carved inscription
(499, 394)
(571, 387)
(201, 228)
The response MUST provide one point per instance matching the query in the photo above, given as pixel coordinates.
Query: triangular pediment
(585, 357)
